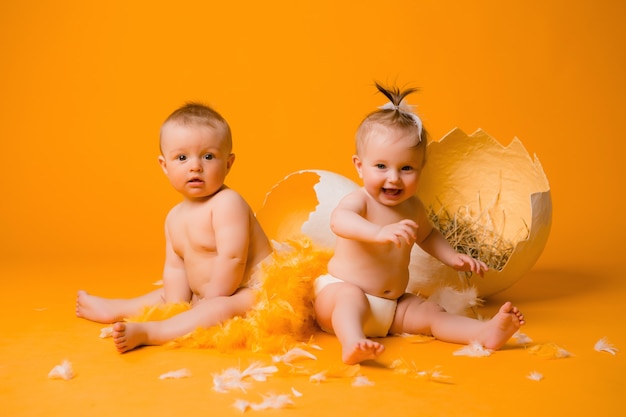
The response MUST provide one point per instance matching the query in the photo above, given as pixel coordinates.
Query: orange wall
(85, 86)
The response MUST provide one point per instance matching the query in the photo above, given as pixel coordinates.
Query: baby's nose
(393, 175)
(196, 165)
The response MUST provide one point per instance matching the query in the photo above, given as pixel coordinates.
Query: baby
(363, 295)
(214, 243)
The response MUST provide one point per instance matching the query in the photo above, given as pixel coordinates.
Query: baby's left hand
(467, 263)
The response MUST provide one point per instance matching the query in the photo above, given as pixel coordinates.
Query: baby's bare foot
(128, 336)
(363, 350)
(502, 326)
(98, 309)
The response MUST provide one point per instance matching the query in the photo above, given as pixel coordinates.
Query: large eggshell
(300, 205)
(503, 187)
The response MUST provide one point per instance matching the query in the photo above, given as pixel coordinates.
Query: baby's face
(390, 165)
(195, 158)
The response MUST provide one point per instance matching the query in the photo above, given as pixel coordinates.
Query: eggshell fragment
(503, 187)
(300, 205)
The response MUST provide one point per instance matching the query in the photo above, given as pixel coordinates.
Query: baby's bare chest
(384, 215)
(192, 234)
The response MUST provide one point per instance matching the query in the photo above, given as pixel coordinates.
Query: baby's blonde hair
(199, 114)
(392, 116)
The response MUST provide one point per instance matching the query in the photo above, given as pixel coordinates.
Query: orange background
(86, 85)
(84, 88)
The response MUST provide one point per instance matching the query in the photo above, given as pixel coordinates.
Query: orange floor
(570, 308)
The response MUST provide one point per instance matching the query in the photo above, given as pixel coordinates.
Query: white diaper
(382, 310)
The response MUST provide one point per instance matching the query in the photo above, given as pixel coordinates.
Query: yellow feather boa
(282, 316)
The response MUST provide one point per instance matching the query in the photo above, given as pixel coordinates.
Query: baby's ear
(357, 164)
(162, 163)
(230, 162)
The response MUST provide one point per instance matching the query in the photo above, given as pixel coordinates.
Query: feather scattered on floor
(549, 351)
(293, 355)
(521, 338)
(106, 332)
(409, 368)
(178, 374)
(236, 379)
(271, 401)
(341, 371)
(62, 371)
(603, 345)
(362, 381)
(535, 376)
(474, 349)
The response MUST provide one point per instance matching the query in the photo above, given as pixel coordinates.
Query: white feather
(603, 345)
(234, 378)
(318, 377)
(258, 372)
(474, 349)
(181, 373)
(106, 332)
(273, 401)
(229, 380)
(293, 355)
(521, 338)
(362, 381)
(62, 371)
(270, 401)
(241, 405)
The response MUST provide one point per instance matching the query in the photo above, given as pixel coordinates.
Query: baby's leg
(343, 308)
(424, 317)
(110, 310)
(203, 314)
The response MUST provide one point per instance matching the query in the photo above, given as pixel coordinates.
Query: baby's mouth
(393, 192)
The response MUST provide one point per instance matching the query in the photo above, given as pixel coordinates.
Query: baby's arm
(348, 221)
(433, 243)
(436, 245)
(175, 286)
(231, 223)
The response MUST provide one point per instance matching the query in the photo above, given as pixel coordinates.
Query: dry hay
(468, 235)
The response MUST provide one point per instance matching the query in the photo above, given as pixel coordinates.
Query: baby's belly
(392, 291)
(381, 283)
(199, 276)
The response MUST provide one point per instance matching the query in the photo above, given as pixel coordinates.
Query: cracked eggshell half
(503, 187)
(300, 205)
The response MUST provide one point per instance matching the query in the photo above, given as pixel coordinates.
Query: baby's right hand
(405, 230)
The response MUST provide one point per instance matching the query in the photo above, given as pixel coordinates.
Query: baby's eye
(182, 157)
(407, 168)
(209, 156)
(380, 166)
